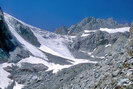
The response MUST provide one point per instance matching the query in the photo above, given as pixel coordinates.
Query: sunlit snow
(55, 46)
(107, 45)
(4, 80)
(123, 29)
(18, 86)
(52, 66)
(85, 34)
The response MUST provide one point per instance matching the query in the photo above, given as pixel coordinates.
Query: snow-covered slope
(52, 47)
(51, 43)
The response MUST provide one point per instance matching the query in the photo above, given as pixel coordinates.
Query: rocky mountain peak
(62, 30)
(39, 59)
(88, 19)
(91, 23)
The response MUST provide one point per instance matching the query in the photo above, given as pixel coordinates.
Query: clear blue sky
(51, 14)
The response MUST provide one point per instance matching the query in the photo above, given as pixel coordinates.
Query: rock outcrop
(92, 23)
(62, 30)
(109, 56)
(7, 43)
(130, 44)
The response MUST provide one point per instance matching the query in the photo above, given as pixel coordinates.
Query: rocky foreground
(115, 71)
(83, 57)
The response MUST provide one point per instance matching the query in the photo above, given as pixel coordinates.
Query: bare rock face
(130, 44)
(90, 23)
(62, 30)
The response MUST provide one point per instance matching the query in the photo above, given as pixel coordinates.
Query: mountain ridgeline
(93, 54)
(89, 23)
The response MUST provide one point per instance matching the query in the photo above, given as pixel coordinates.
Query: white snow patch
(18, 86)
(4, 80)
(90, 53)
(72, 37)
(95, 49)
(93, 56)
(85, 34)
(107, 45)
(88, 31)
(102, 57)
(123, 29)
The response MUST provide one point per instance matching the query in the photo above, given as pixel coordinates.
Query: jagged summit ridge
(91, 23)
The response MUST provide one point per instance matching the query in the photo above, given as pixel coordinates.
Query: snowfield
(123, 29)
(50, 43)
(55, 46)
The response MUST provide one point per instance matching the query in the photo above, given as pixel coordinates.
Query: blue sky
(51, 14)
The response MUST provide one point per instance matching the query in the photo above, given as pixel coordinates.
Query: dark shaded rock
(32, 67)
(10, 86)
(42, 79)
(62, 30)
(18, 54)
(91, 42)
(7, 43)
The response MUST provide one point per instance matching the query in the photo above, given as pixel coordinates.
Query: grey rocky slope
(90, 23)
(109, 58)
(114, 72)
(62, 30)
(130, 43)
